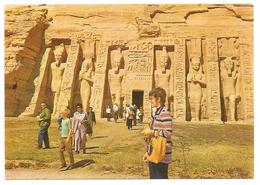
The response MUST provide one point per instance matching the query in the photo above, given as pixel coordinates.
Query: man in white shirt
(108, 111)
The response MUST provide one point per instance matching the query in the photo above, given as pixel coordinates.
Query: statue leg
(193, 109)
(232, 107)
(55, 102)
(226, 107)
(83, 94)
(88, 97)
(197, 111)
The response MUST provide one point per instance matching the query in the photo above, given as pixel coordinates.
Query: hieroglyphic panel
(180, 91)
(97, 95)
(70, 75)
(213, 87)
(247, 78)
(140, 58)
(40, 85)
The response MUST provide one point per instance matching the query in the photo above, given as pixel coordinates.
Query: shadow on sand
(83, 163)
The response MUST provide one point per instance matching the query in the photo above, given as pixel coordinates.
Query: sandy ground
(17, 174)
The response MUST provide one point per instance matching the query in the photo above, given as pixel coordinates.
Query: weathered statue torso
(115, 77)
(196, 80)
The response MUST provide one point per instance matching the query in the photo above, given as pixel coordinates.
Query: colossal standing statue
(229, 76)
(196, 80)
(115, 77)
(85, 77)
(57, 70)
(163, 75)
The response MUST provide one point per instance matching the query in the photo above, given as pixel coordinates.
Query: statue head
(195, 63)
(59, 53)
(87, 64)
(229, 65)
(164, 58)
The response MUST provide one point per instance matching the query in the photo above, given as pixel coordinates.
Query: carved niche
(163, 73)
(196, 81)
(230, 78)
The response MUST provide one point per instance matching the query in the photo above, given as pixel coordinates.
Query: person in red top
(161, 125)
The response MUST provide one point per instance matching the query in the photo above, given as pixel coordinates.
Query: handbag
(158, 147)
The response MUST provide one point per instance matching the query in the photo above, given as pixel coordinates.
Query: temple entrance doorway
(138, 98)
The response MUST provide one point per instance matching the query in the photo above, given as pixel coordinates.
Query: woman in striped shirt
(161, 125)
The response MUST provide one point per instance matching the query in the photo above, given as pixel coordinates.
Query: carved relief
(180, 90)
(86, 75)
(163, 75)
(116, 75)
(229, 71)
(57, 70)
(195, 80)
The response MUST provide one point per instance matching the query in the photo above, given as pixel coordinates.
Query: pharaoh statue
(57, 70)
(195, 80)
(229, 76)
(115, 77)
(85, 77)
(163, 75)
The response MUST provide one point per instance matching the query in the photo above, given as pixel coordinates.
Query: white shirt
(108, 110)
(115, 108)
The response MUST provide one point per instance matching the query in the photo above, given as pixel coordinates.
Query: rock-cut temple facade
(99, 55)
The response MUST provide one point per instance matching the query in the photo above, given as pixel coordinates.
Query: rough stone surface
(202, 55)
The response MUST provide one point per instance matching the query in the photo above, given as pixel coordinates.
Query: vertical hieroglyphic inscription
(213, 87)
(180, 79)
(247, 77)
(97, 95)
(70, 76)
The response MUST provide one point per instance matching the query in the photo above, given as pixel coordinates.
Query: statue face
(164, 61)
(195, 63)
(229, 65)
(87, 64)
(58, 57)
(164, 58)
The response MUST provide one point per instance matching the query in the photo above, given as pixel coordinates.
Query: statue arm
(189, 78)
(156, 79)
(202, 81)
(81, 74)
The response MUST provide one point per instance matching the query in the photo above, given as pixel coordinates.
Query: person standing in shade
(130, 118)
(79, 125)
(66, 140)
(141, 115)
(108, 111)
(127, 109)
(135, 112)
(91, 121)
(116, 112)
(44, 122)
(161, 125)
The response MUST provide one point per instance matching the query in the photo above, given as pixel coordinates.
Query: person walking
(116, 112)
(161, 125)
(91, 121)
(130, 118)
(66, 140)
(44, 122)
(108, 111)
(79, 125)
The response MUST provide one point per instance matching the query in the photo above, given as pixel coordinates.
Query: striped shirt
(162, 125)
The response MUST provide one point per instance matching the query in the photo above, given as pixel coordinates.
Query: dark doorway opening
(138, 98)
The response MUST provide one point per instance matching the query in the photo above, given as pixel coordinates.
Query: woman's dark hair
(79, 105)
(158, 92)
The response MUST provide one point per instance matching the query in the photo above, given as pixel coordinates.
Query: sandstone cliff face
(24, 42)
(133, 29)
